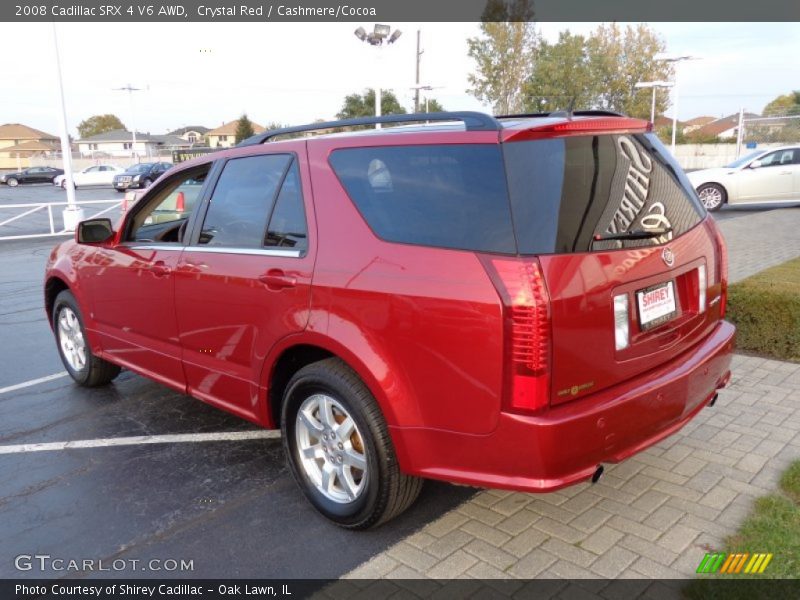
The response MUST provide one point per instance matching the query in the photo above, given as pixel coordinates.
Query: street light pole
(379, 34)
(130, 89)
(653, 85)
(675, 60)
(72, 214)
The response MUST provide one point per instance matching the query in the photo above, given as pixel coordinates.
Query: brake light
(527, 329)
(180, 202)
(578, 126)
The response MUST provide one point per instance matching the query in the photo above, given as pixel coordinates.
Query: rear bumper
(565, 445)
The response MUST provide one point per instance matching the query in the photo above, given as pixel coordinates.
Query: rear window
(566, 191)
(450, 196)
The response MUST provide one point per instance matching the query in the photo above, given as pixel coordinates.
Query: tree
(99, 124)
(430, 105)
(599, 71)
(244, 128)
(363, 105)
(503, 55)
(788, 104)
(618, 60)
(561, 76)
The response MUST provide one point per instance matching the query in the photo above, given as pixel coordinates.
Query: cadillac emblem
(668, 257)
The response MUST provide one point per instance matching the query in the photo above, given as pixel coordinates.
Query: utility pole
(130, 89)
(419, 55)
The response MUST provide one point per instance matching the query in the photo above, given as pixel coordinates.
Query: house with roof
(725, 128)
(194, 134)
(696, 123)
(224, 136)
(119, 143)
(18, 143)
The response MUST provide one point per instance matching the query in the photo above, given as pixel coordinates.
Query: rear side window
(449, 196)
(287, 225)
(242, 201)
(566, 191)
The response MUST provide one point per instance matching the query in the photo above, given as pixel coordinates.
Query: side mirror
(756, 164)
(94, 231)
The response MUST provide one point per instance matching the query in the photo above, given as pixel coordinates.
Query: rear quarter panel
(425, 322)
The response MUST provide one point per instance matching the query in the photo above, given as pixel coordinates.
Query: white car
(95, 175)
(771, 175)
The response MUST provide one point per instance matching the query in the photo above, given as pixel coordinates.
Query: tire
(72, 345)
(146, 183)
(712, 195)
(120, 191)
(356, 498)
(12, 182)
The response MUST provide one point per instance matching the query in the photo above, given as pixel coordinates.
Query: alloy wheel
(331, 449)
(70, 338)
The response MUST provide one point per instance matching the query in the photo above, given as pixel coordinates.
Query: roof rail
(562, 113)
(473, 121)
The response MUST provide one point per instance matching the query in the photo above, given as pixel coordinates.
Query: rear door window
(450, 196)
(287, 225)
(566, 191)
(242, 201)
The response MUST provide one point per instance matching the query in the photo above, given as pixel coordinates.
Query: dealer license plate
(656, 305)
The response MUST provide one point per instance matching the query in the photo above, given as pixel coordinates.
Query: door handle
(159, 268)
(276, 279)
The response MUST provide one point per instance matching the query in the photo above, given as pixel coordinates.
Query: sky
(209, 73)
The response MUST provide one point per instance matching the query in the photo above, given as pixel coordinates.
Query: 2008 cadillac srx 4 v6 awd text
(505, 302)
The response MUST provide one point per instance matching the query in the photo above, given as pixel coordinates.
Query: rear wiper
(633, 234)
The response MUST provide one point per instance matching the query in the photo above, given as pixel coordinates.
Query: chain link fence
(770, 130)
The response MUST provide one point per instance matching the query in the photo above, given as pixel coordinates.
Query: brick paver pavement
(656, 514)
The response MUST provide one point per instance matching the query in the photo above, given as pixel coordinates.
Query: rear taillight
(722, 271)
(180, 202)
(527, 331)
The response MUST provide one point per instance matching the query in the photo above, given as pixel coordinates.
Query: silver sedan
(765, 176)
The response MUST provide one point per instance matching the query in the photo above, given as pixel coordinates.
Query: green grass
(766, 311)
(773, 526)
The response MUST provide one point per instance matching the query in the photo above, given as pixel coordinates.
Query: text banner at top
(399, 10)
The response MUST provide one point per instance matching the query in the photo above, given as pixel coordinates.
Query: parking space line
(230, 436)
(29, 383)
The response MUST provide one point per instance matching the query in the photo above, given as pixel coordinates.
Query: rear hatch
(627, 255)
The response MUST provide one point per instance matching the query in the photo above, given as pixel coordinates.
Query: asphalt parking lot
(38, 222)
(229, 505)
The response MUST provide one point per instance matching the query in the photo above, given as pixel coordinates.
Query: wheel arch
(386, 385)
(54, 285)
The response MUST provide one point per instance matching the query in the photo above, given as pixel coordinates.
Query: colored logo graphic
(741, 562)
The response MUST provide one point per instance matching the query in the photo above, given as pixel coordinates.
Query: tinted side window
(242, 201)
(287, 226)
(450, 196)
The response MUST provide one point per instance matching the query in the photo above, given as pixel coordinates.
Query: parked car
(139, 176)
(499, 302)
(94, 175)
(768, 176)
(32, 175)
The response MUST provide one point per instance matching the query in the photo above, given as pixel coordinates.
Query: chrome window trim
(253, 251)
(224, 250)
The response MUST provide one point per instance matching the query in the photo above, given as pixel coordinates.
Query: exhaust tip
(713, 400)
(597, 474)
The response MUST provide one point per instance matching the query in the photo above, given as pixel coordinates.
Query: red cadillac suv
(499, 301)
